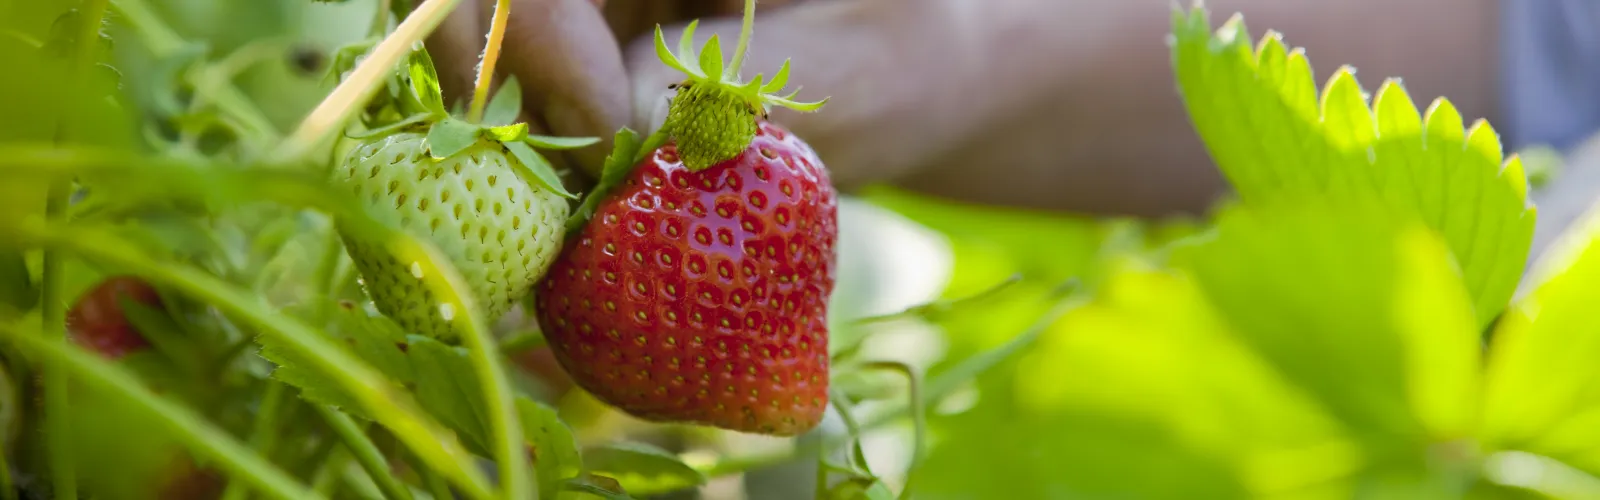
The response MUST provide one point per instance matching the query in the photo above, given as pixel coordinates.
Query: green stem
(349, 97)
(516, 482)
(919, 422)
(8, 489)
(326, 480)
(263, 434)
(380, 18)
(436, 485)
(745, 29)
(189, 428)
(365, 452)
(362, 382)
(58, 430)
(491, 56)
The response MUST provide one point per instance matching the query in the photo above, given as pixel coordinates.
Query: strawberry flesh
(97, 321)
(701, 297)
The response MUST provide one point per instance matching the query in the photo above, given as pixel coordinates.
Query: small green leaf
(666, 55)
(542, 173)
(600, 486)
(711, 57)
(620, 163)
(638, 466)
(505, 105)
(451, 136)
(778, 80)
(552, 142)
(686, 51)
(861, 489)
(425, 81)
(17, 291)
(448, 388)
(508, 133)
(407, 122)
(555, 450)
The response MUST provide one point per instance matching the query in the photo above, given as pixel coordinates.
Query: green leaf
(425, 82)
(620, 163)
(685, 56)
(778, 80)
(552, 142)
(1258, 112)
(405, 123)
(639, 466)
(508, 133)
(554, 447)
(1542, 389)
(448, 388)
(1360, 308)
(711, 58)
(600, 486)
(861, 489)
(451, 136)
(540, 170)
(506, 104)
(1171, 405)
(17, 291)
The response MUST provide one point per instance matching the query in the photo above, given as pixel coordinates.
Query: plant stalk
(349, 97)
(745, 28)
(191, 429)
(491, 57)
(366, 454)
(263, 435)
(432, 442)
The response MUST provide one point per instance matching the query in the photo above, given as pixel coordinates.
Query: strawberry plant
(395, 296)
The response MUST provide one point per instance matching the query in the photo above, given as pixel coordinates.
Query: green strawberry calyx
(713, 117)
(421, 107)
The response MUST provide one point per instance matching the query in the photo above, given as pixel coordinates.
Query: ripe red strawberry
(702, 296)
(698, 291)
(97, 321)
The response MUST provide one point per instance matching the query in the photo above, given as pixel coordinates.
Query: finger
(571, 72)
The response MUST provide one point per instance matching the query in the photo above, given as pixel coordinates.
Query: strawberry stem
(491, 56)
(744, 40)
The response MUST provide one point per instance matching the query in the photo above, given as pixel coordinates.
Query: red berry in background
(701, 297)
(97, 321)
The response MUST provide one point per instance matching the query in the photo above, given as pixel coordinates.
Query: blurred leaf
(448, 387)
(1259, 115)
(1542, 390)
(638, 466)
(597, 486)
(554, 142)
(618, 164)
(554, 447)
(861, 489)
(1144, 393)
(1358, 307)
(506, 104)
(17, 291)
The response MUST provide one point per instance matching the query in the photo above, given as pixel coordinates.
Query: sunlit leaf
(1542, 390)
(425, 82)
(1358, 307)
(1259, 114)
(639, 466)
